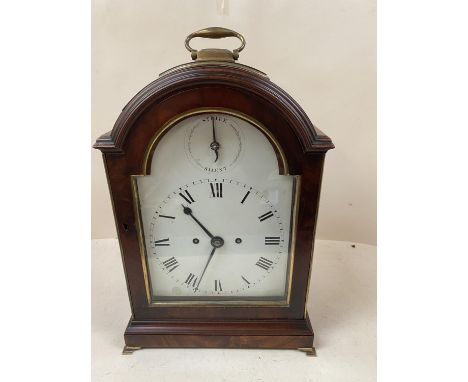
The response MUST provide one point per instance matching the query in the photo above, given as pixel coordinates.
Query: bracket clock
(214, 174)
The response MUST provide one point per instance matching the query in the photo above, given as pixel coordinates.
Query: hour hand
(188, 211)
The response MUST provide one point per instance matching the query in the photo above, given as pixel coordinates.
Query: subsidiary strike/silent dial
(224, 138)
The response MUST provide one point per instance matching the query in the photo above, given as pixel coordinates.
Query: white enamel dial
(216, 214)
(248, 226)
(222, 136)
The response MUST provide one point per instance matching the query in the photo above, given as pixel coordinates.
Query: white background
(323, 53)
(422, 190)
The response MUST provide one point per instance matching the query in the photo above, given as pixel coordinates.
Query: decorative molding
(231, 76)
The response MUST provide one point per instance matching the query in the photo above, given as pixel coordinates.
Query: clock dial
(214, 143)
(227, 237)
(216, 214)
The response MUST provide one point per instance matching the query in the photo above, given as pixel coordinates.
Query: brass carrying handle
(215, 33)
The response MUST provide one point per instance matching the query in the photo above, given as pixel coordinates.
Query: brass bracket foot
(310, 352)
(129, 349)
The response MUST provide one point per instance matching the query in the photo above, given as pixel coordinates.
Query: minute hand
(206, 266)
(188, 211)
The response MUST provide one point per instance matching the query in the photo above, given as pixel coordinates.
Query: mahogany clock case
(238, 88)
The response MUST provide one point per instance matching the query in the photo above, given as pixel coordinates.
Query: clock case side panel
(192, 89)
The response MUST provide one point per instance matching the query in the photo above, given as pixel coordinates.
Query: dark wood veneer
(244, 91)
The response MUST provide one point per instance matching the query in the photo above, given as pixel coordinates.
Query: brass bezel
(282, 164)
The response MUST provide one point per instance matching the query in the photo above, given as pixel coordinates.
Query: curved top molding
(196, 74)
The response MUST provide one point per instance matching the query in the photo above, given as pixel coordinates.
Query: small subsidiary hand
(214, 145)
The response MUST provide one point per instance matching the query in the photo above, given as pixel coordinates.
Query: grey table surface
(342, 308)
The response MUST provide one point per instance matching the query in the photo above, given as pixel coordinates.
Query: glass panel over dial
(216, 216)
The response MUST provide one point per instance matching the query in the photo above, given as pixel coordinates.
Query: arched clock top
(242, 80)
